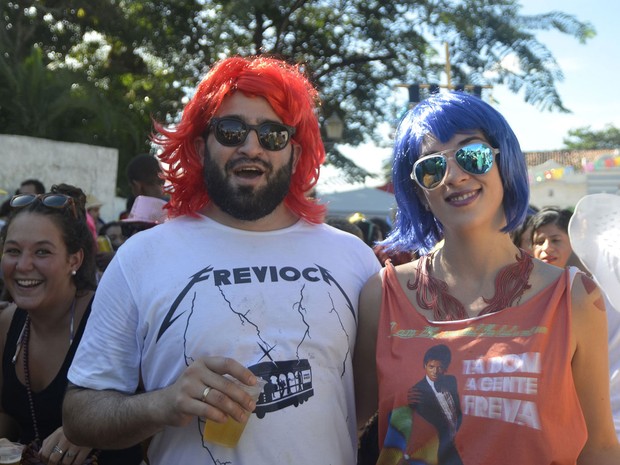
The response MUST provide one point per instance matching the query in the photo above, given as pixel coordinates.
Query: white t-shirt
(283, 302)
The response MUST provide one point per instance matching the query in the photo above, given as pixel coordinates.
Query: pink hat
(147, 210)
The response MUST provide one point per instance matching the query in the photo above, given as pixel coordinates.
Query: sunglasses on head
(56, 201)
(232, 132)
(430, 170)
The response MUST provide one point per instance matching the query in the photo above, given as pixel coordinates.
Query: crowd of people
(468, 329)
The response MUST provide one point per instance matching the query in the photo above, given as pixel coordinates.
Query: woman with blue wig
(476, 352)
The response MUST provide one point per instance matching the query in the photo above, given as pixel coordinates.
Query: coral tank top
(493, 389)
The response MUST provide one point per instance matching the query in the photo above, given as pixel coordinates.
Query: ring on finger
(205, 393)
(71, 454)
(57, 449)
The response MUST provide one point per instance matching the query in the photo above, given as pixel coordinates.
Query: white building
(557, 182)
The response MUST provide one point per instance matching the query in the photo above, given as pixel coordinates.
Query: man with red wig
(244, 282)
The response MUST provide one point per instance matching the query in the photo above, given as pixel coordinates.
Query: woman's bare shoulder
(542, 276)
(407, 270)
(7, 309)
(6, 315)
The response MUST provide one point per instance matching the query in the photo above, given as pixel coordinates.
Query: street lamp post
(334, 127)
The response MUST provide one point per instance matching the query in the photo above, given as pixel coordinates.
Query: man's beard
(246, 203)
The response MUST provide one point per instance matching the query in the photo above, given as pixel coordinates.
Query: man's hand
(106, 419)
(183, 400)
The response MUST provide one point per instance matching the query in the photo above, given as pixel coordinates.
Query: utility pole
(414, 89)
(448, 68)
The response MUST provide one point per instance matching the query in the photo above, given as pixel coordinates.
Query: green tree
(144, 56)
(58, 105)
(585, 138)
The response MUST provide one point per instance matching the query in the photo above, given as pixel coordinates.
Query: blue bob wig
(442, 116)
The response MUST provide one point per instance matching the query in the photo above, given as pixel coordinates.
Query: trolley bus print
(289, 382)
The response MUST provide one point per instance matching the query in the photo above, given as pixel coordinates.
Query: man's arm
(109, 419)
(113, 420)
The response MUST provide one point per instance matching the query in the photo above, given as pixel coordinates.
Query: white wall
(557, 193)
(89, 167)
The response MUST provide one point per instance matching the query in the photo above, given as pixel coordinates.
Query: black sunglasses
(477, 158)
(232, 132)
(56, 201)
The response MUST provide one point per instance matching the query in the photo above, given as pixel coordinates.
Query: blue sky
(591, 71)
(590, 89)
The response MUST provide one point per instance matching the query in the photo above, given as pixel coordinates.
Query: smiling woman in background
(48, 263)
(550, 241)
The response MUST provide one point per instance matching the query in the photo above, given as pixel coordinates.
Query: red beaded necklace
(432, 293)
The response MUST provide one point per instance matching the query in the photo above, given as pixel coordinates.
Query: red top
(496, 388)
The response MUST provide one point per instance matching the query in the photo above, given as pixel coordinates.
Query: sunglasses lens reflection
(476, 159)
(273, 136)
(23, 200)
(430, 172)
(58, 201)
(55, 201)
(232, 132)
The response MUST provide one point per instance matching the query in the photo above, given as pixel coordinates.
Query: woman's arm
(8, 426)
(591, 372)
(364, 359)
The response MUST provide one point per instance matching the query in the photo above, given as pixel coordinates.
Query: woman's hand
(57, 449)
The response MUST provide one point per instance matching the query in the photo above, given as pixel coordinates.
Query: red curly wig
(292, 97)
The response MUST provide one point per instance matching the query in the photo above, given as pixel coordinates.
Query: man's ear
(199, 146)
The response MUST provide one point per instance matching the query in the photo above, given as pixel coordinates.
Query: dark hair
(439, 352)
(442, 116)
(383, 226)
(75, 232)
(143, 168)
(104, 228)
(551, 215)
(517, 234)
(345, 225)
(38, 185)
(130, 228)
(370, 230)
(5, 208)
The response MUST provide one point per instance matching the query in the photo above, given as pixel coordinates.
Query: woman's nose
(454, 172)
(546, 246)
(24, 262)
